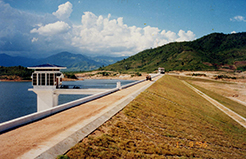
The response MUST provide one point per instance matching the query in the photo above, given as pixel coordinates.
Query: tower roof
(47, 66)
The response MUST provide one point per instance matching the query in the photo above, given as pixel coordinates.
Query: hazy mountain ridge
(74, 62)
(213, 51)
(7, 61)
(106, 60)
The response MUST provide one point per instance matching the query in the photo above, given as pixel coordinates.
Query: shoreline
(126, 77)
(110, 75)
(241, 77)
(15, 80)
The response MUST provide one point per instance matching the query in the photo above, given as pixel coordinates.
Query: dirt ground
(234, 89)
(112, 75)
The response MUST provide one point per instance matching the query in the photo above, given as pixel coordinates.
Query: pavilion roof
(47, 66)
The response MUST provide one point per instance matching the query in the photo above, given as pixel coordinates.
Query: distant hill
(7, 61)
(107, 60)
(15, 73)
(73, 62)
(214, 51)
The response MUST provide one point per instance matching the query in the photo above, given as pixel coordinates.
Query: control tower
(45, 80)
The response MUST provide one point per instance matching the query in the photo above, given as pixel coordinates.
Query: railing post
(118, 85)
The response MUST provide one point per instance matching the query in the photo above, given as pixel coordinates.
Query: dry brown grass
(220, 91)
(168, 120)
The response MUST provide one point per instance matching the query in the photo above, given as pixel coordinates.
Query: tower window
(34, 79)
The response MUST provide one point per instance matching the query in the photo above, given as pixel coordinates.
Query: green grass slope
(168, 120)
(207, 53)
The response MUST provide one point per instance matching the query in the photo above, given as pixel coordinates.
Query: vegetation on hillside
(221, 49)
(207, 53)
(15, 73)
(23, 73)
(70, 75)
(166, 120)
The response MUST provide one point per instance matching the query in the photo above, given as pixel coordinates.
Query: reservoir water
(17, 101)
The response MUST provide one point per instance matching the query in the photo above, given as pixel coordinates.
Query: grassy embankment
(234, 106)
(166, 120)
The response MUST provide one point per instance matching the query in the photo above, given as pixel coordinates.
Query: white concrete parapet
(79, 91)
(39, 115)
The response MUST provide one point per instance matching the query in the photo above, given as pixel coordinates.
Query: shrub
(224, 76)
(70, 75)
(138, 74)
(199, 74)
(63, 157)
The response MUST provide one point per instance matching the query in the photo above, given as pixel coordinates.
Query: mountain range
(212, 52)
(73, 62)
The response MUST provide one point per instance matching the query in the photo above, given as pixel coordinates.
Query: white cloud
(185, 36)
(34, 39)
(102, 35)
(89, 20)
(169, 36)
(95, 34)
(52, 28)
(233, 32)
(238, 18)
(15, 26)
(64, 11)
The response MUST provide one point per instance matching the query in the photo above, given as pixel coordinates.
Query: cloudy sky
(38, 28)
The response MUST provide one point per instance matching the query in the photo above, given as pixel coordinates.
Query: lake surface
(17, 101)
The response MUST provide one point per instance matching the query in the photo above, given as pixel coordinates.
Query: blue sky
(111, 27)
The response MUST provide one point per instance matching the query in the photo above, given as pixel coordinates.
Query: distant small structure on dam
(45, 79)
(161, 70)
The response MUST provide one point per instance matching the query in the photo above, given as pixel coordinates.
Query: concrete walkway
(238, 118)
(54, 135)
